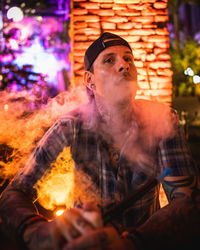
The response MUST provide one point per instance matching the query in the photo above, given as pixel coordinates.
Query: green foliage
(189, 56)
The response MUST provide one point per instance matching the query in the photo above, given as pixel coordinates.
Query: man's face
(115, 75)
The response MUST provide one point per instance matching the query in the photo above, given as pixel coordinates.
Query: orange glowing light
(59, 212)
(22, 128)
(162, 197)
(57, 187)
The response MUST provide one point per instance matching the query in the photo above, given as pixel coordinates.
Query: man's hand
(54, 234)
(100, 239)
(76, 221)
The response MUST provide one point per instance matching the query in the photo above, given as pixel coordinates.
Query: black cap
(104, 41)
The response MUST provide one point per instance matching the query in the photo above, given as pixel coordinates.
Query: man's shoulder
(147, 104)
(76, 115)
(159, 119)
(153, 108)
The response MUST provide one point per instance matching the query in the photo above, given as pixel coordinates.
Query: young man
(120, 143)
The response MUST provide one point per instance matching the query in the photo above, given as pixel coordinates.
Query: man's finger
(66, 228)
(91, 212)
(94, 218)
(89, 206)
(94, 240)
(78, 221)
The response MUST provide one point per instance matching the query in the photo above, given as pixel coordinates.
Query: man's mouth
(127, 75)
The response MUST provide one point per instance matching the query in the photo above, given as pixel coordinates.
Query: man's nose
(123, 66)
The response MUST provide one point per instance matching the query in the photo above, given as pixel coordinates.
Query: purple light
(43, 61)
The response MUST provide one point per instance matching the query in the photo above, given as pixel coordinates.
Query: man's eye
(128, 59)
(108, 60)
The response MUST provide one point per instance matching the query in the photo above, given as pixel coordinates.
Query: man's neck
(118, 114)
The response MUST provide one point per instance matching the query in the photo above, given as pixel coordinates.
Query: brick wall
(143, 23)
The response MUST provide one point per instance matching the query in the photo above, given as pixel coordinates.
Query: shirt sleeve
(46, 153)
(174, 153)
(16, 202)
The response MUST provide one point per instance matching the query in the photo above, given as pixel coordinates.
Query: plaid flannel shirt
(111, 172)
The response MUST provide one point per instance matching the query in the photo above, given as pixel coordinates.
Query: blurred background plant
(185, 46)
(186, 68)
(184, 32)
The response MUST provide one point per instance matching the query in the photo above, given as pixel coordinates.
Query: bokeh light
(15, 13)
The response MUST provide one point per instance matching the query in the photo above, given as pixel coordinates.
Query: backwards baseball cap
(104, 41)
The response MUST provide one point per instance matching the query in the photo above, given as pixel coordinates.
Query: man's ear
(89, 80)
